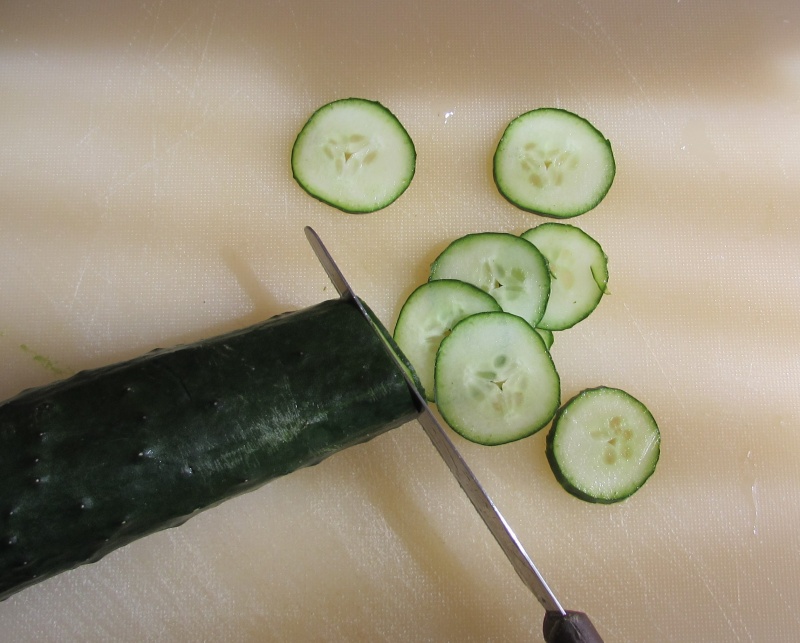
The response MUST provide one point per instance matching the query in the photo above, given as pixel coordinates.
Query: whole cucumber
(90, 463)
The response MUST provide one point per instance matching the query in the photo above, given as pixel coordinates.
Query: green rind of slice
(547, 336)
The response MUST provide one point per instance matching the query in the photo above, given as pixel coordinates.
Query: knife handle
(572, 627)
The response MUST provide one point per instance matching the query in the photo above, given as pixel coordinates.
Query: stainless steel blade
(487, 510)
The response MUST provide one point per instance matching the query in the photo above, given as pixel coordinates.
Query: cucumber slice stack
(479, 334)
(474, 331)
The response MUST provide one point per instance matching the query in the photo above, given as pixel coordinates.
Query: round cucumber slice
(495, 381)
(578, 273)
(355, 155)
(429, 315)
(507, 267)
(603, 446)
(553, 162)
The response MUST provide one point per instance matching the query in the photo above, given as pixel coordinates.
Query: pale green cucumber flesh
(553, 162)
(429, 315)
(578, 269)
(355, 155)
(506, 266)
(603, 445)
(495, 381)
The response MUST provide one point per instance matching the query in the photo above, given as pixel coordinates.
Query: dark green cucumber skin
(93, 462)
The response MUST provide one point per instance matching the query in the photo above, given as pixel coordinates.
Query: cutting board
(147, 200)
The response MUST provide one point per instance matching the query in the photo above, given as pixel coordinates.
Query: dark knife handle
(572, 627)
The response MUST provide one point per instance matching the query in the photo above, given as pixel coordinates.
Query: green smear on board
(45, 362)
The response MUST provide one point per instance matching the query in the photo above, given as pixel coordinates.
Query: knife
(560, 625)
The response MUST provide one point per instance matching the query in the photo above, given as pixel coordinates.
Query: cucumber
(603, 445)
(506, 266)
(578, 271)
(495, 381)
(547, 336)
(553, 162)
(428, 316)
(355, 155)
(109, 455)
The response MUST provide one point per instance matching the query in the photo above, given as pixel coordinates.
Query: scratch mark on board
(204, 53)
(78, 284)
(790, 609)
(596, 27)
(669, 380)
(694, 566)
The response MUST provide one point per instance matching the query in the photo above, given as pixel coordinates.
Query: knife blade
(560, 625)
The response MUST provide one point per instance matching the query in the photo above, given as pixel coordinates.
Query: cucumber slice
(553, 162)
(495, 381)
(509, 268)
(604, 444)
(547, 336)
(429, 315)
(355, 155)
(578, 271)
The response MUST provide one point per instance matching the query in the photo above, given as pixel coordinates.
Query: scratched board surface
(147, 200)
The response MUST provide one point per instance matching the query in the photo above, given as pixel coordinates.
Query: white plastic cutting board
(146, 200)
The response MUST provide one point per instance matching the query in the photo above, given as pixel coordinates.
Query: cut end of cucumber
(393, 348)
(555, 163)
(603, 446)
(355, 155)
